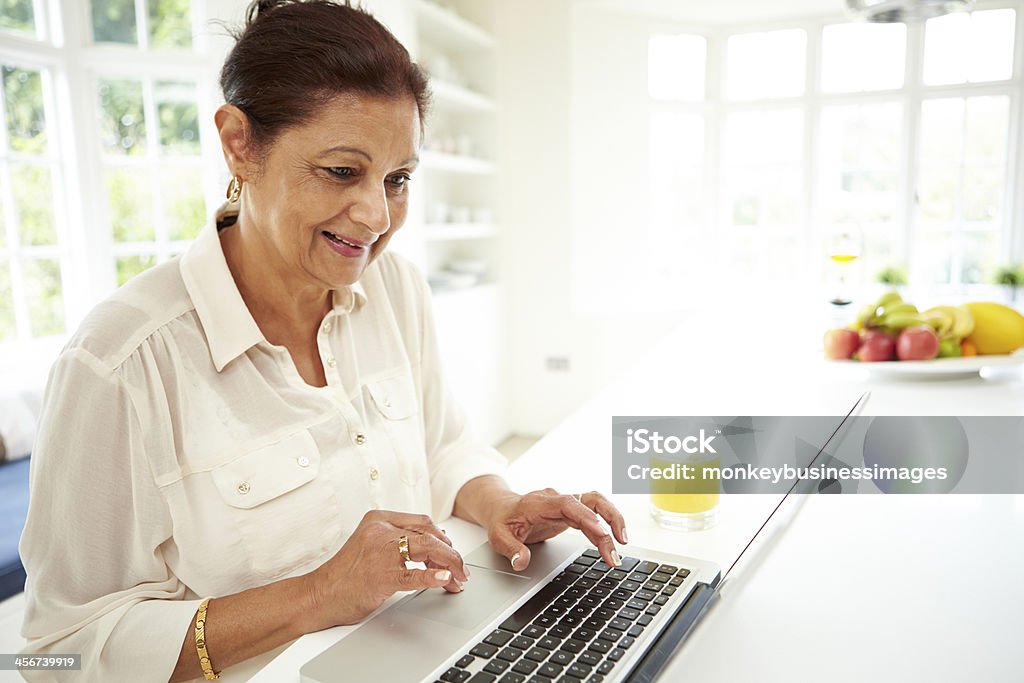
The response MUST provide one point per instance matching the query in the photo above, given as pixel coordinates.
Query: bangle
(204, 656)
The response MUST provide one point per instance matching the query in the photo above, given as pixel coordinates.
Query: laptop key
(591, 552)
(594, 574)
(634, 607)
(602, 646)
(525, 666)
(561, 631)
(537, 654)
(495, 666)
(540, 679)
(585, 560)
(619, 624)
(622, 595)
(610, 634)
(676, 581)
(606, 667)
(661, 577)
(594, 623)
(668, 590)
(626, 642)
(510, 654)
(589, 658)
(549, 670)
(683, 573)
(645, 619)
(601, 566)
(484, 650)
(668, 569)
(465, 661)
(590, 600)
(547, 643)
(610, 584)
(574, 646)
(561, 658)
(631, 585)
(585, 583)
(617, 574)
(579, 670)
(645, 595)
(522, 643)
(595, 678)
(647, 567)
(483, 677)
(498, 638)
(533, 631)
(612, 603)
(653, 610)
(600, 591)
(604, 613)
(512, 677)
(616, 654)
(635, 631)
(628, 563)
(661, 600)
(585, 634)
(576, 569)
(454, 675)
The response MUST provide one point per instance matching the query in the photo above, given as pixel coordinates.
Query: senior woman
(246, 445)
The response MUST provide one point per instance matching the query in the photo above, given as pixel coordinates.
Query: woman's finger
(505, 543)
(420, 524)
(453, 586)
(579, 516)
(604, 507)
(427, 548)
(418, 579)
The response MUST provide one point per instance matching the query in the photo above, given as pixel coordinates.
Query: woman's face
(331, 193)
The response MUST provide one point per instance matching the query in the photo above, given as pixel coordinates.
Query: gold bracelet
(204, 656)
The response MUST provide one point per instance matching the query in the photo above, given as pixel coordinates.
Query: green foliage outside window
(130, 266)
(113, 21)
(170, 23)
(46, 300)
(33, 204)
(17, 15)
(23, 100)
(122, 117)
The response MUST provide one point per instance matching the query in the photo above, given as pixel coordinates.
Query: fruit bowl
(938, 368)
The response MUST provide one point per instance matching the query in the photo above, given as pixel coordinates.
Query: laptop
(567, 617)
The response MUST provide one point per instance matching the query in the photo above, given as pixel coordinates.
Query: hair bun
(259, 8)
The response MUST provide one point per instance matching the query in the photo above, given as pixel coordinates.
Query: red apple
(917, 343)
(841, 343)
(877, 346)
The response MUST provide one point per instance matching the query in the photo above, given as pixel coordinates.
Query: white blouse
(181, 455)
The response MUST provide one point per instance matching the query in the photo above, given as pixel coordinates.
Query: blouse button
(360, 439)
(387, 402)
(243, 488)
(331, 362)
(374, 473)
(327, 327)
(303, 461)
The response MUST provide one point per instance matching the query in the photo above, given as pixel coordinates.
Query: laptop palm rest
(408, 641)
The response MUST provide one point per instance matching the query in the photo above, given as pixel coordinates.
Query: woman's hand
(516, 520)
(369, 568)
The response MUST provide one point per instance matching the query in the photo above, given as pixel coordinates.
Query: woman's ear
(233, 127)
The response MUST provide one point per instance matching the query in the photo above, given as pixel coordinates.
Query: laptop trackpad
(482, 597)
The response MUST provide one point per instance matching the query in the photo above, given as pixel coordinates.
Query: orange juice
(686, 503)
(843, 258)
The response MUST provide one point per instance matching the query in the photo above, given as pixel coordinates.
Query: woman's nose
(371, 208)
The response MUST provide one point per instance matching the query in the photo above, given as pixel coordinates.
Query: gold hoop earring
(234, 189)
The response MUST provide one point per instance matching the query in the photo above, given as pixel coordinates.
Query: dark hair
(292, 54)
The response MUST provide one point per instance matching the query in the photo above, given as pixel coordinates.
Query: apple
(841, 343)
(876, 346)
(917, 343)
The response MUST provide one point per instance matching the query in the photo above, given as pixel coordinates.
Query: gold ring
(403, 548)
(578, 497)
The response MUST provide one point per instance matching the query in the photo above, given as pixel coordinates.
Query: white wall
(540, 105)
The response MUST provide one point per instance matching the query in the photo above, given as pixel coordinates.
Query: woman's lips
(346, 246)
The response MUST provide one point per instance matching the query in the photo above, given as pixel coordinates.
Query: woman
(244, 446)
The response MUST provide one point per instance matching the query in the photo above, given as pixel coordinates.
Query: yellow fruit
(997, 328)
(967, 349)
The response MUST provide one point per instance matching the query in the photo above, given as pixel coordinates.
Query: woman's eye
(342, 171)
(398, 182)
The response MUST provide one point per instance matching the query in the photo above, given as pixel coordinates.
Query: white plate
(934, 369)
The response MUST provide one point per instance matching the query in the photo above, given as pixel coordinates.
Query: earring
(234, 189)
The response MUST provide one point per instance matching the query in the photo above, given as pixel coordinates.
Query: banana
(890, 297)
(957, 321)
(899, 321)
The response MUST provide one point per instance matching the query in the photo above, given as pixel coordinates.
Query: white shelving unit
(453, 223)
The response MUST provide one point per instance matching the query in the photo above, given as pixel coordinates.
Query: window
(903, 138)
(100, 174)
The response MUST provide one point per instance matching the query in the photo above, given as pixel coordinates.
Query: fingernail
(443, 575)
(466, 571)
(515, 558)
(615, 559)
(459, 584)
(625, 535)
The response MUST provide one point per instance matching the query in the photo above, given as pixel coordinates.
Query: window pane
(179, 117)
(3, 216)
(130, 266)
(184, 206)
(17, 15)
(980, 256)
(983, 193)
(973, 47)
(170, 23)
(988, 125)
(23, 98)
(33, 203)
(859, 57)
(7, 324)
(942, 130)
(768, 64)
(130, 205)
(937, 190)
(122, 121)
(45, 300)
(761, 171)
(675, 67)
(113, 21)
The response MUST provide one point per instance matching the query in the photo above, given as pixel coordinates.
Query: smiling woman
(249, 444)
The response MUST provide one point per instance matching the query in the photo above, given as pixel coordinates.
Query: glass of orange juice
(686, 504)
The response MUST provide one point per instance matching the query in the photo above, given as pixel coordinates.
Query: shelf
(447, 29)
(451, 96)
(458, 231)
(454, 163)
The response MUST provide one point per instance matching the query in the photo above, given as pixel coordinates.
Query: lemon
(997, 328)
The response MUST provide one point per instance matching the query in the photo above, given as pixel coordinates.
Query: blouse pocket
(281, 503)
(396, 402)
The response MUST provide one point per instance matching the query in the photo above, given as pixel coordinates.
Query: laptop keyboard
(576, 628)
